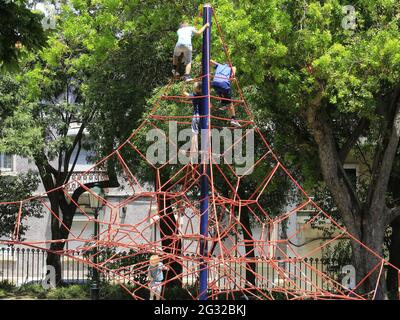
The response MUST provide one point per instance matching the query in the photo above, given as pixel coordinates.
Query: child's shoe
(235, 123)
(175, 73)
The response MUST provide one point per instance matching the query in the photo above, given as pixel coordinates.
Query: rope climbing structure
(210, 215)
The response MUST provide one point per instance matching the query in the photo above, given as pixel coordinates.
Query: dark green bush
(72, 292)
(30, 290)
(179, 293)
(113, 292)
(3, 293)
(7, 286)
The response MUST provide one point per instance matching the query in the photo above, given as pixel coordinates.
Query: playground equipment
(210, 221)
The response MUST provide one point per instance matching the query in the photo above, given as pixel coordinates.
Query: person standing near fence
(156, 277)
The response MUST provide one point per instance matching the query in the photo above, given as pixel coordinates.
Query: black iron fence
(26, 265)
(309, 274)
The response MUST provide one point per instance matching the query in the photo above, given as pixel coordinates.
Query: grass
(72, 292)
(3, 294)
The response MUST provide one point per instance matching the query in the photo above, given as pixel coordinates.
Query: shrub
(7, 286)
(113, 292)
(120, 260)
(72, 292)
(3, 293)
(179, 293)
(31, 290)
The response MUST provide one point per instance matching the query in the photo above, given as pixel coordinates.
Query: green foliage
(17, 187)
(3, 293)
(7, 286)
(10, 96)
(115, 55)
(340, 252)
(72, 292)
(35, 290)
(21, 31)
(120, 259)
(179, 293)
(113, 292)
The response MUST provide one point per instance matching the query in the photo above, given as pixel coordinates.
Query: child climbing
(155, 275)
(184, 46)
(222, 85)
(197, 91)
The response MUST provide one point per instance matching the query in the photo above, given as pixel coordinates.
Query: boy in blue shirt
(222, 85)
(184, 46)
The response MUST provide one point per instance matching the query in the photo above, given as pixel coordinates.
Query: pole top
(207, 5)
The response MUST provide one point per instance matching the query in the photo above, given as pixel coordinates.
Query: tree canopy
(21, 30)
(322, 78)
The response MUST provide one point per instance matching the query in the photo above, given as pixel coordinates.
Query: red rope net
(246, 254)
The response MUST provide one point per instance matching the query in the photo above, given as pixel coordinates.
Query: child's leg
(188, 69)
(231, 108)
(175, 59)
(158, 292)
(188, 60)
(194, 148)
(151, 294)
(227, 94)
(232, 112)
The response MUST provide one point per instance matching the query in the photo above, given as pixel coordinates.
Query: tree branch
(383, 161)
(394, 213)
(352, 139)
(69, 210)
(74, 163)
(68, 154)
(309, 241)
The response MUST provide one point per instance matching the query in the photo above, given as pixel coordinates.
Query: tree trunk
(394, 253)
(53, 259)
(364, 261)
(366, 221)
(61, 231)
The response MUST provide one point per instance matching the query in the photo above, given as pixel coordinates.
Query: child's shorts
(186, 50)
(156, 287)
(195, 124)
(222, 92)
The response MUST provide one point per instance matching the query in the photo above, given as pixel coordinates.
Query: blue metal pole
(205, 147)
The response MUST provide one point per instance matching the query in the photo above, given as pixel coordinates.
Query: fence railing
(309, 274)
(26, 265)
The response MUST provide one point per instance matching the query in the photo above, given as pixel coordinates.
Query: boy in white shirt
(184, 45)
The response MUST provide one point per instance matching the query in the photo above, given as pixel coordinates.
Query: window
(352, 174)
(6, 162)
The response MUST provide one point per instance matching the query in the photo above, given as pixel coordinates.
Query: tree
(327, 90)
(394, 238)
(17, 187)
(332, 90)
(38, 126)
(21, 31)
(71, 80)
